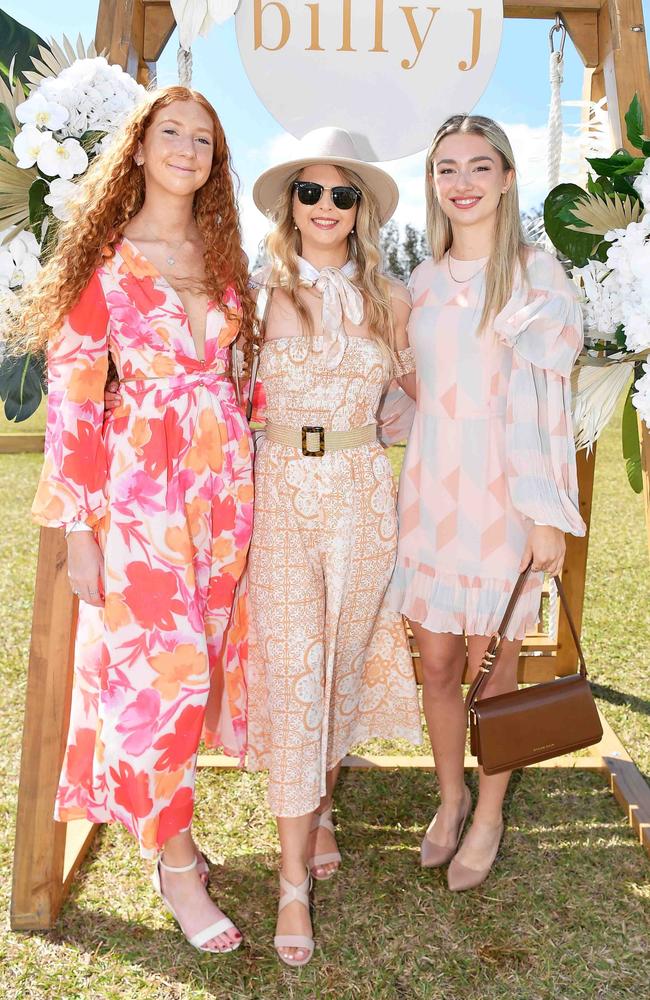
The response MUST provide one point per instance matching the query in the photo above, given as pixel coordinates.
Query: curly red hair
(111, 193)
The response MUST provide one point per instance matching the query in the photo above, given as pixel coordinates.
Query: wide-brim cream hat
(334, 146)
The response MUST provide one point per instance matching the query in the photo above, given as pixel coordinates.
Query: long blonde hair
(510, 246)
(283, 247)
(111, 193)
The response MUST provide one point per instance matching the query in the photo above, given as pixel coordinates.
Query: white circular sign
(388, 72)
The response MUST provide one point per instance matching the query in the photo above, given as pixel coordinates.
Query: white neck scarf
(340, 299)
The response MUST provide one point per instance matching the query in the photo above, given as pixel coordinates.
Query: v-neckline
(159, 275)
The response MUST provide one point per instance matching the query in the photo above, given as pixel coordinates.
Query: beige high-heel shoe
(461, 878)
(324, 819)
(434, 855)
(201, 938)
(290, 893)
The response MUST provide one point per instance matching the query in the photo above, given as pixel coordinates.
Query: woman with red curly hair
(156, 501)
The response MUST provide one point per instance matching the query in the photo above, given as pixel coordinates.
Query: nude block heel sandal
(290, 893)
(324, 819)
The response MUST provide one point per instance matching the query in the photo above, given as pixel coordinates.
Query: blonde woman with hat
(329, 666)
(489, 479)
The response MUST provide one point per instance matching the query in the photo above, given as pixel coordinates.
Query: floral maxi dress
(166, 484)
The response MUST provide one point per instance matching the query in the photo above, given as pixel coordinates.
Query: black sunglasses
(310, 193)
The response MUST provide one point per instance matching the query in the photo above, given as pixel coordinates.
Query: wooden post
(574, 574)
(120, 32)
(623, 60)
(40, 852)
(134, 33)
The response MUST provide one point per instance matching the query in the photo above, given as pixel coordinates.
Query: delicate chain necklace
(171, 258)
(463, 281)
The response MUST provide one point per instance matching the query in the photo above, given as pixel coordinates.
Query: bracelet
(75, 526)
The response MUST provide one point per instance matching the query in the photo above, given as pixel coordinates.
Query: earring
(295, 226)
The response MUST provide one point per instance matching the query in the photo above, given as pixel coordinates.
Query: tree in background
(401, 256)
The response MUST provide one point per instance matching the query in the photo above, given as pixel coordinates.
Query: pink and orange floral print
(166, 484)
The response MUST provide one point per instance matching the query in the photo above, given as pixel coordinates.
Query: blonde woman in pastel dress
(329, 666)
(489, 478)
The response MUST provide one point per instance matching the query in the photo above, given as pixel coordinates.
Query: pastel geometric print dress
(166, 484)
(491, 450)
(330, 665)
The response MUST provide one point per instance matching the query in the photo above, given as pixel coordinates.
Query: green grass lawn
(564, 916)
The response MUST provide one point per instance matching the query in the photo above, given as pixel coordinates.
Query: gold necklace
(463, 281)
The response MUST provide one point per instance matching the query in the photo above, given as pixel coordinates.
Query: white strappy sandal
(290, 893)
(324, 819)
(202, 867)
(201, 938)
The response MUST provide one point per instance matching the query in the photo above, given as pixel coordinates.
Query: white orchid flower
(63, 159)
(7, 269)
(29, 144)
(642, 185)
(641, 398)
(195, 17)
(19, 263)
(27, 269)
(24, 243)
(41, 113)
(61, 195)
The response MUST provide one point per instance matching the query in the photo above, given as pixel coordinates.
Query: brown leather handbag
(535, 723)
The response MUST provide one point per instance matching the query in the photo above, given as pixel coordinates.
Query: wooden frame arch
(610, 37)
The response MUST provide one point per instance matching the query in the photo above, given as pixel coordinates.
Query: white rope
(184, 63)
(555, 126)
(555, 131)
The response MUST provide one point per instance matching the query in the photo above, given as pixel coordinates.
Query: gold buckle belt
(315, 441)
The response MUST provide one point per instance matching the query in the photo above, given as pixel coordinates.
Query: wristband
(76, 526)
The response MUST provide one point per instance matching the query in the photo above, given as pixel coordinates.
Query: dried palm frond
(596, 390)
(592, 136)
(594, 130)
(56, 58)
(15, 183)
(604, 214)
(13, 95)
(534, 230)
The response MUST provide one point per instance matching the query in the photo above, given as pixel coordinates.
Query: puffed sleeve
(72, 486)
(542, 323)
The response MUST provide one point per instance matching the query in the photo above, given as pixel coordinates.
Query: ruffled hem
(469, 605)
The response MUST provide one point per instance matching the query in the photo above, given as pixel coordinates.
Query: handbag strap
(263, 306)
(489, 657)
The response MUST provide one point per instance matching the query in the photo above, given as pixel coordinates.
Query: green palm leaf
(15, 184)
(17, 42)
